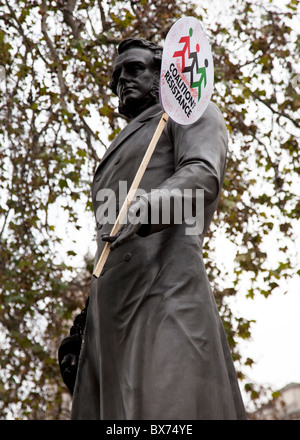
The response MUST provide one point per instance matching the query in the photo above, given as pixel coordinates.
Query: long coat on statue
(154, 345)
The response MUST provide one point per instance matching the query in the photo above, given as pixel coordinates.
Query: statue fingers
(126, 233)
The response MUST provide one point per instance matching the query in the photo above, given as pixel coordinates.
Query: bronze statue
(154, 347)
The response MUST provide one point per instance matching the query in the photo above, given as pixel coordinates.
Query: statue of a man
(154, 347)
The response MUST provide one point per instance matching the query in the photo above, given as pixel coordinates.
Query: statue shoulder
(212, 118)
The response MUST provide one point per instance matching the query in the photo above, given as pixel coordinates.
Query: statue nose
(124, 75)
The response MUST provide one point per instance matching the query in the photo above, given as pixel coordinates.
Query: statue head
(136, 75)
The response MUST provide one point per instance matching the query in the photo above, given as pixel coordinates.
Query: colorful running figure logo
(193, 69)
(202, 71)
(186, 47)
(187, 72)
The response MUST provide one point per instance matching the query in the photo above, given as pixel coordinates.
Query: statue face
(134, 73)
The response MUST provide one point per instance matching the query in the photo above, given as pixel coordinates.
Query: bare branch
(67, 8)
(103, 18)
(273, 110)
(54, 54)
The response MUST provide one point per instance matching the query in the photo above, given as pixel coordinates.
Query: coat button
(99, 226)
(127, 257)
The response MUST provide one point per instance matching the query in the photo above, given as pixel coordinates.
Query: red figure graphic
(186, 47)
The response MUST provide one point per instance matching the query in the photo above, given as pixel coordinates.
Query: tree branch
(67, 8)
(55, 57)
(284, 115)
(102, 15)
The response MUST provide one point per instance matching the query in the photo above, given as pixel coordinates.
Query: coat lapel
(131, 128)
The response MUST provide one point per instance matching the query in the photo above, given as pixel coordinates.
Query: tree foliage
(58, 115)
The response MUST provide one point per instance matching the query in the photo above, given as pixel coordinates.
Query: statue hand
(68, 368)
(68, 357)
(69, 365)
(137, 216)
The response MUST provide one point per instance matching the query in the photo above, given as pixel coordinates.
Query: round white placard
(187, 72)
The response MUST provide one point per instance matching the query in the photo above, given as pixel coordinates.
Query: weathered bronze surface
(154, 346)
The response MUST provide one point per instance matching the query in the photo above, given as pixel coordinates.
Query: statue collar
(134, 125)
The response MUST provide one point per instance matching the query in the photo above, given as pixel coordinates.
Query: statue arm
(200, 153)
(199, 160)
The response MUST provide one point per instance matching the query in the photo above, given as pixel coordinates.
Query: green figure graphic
(202, 71)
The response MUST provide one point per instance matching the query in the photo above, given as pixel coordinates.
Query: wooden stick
(131, 193)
